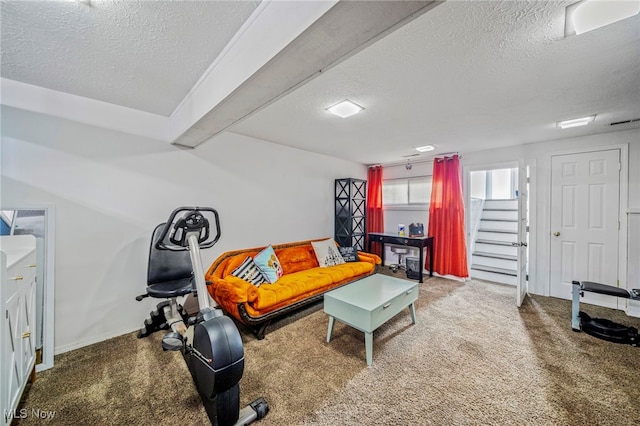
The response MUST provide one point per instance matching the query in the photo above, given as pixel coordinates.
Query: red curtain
(375, 217)
(446, 219)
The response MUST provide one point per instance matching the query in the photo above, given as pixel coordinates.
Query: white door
(585, 199)
(523, 240)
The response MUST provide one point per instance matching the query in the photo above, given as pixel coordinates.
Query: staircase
(494, 258)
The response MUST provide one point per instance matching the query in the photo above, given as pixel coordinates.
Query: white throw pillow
(327, 252)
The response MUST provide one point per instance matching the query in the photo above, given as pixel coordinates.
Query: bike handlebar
(184, 221)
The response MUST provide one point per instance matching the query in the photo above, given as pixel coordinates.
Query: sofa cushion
(268, 262)
(327, 252)
(249, 271)
(297, 258)
(303, 282)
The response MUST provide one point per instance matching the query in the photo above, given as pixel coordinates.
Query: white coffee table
(368, 303)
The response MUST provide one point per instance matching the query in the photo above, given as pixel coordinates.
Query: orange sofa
(302, 282)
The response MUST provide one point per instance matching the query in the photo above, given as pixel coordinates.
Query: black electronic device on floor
(209, 341)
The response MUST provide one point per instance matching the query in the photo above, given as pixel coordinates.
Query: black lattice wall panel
(350, 212)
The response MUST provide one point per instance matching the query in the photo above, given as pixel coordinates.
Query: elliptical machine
(209, 341)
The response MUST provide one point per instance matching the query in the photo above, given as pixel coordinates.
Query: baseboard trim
(77, 345)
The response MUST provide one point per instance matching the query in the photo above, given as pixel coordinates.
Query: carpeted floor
(472, 358)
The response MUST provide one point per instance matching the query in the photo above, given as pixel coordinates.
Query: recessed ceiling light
(425, 148)
(576, 122)
(588, 15)
(345, 109)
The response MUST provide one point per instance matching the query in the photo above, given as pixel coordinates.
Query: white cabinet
(18, 320)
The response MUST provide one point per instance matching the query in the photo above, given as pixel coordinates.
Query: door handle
(556, 234)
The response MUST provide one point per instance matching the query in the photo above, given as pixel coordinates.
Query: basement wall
(110, 190)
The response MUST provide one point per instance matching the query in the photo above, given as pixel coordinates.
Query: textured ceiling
(144, 55)
(465, 76)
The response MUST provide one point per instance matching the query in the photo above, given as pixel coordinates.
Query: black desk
(420, 242)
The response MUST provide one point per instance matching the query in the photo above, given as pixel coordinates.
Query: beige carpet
(472, 358)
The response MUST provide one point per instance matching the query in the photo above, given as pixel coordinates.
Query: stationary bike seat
(169, 289)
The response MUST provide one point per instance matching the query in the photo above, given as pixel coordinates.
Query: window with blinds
(406, 192)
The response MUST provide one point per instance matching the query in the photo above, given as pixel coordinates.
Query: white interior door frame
(622, 209)
(533, 199)
(466, 185)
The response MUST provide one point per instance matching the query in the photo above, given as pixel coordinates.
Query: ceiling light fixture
(588, 15)
(425, 148)
(345, 109)
(576, 122)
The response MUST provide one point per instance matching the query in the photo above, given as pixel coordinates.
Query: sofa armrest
(233, 289)
(369, 257)
(231, 292)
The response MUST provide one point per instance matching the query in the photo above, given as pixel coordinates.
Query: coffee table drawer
(393, 307)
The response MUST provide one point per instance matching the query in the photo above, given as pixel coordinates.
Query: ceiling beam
(342, 31)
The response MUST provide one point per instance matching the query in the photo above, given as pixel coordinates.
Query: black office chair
(169, 275)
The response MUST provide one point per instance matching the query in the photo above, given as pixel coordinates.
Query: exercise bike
(209, 341)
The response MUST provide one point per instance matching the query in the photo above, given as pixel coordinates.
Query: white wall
(111, 189)
(541, 154)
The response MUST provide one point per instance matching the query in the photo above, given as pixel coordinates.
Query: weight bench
(598, 327)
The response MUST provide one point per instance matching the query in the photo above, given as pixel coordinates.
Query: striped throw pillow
(250, 272)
